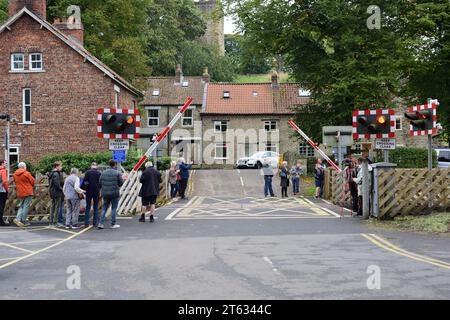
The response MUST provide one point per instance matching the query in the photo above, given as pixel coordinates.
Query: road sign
(120, 155)
(119, 144)
(385, 144)
(368, 124)
(332, 136)
(118, 123)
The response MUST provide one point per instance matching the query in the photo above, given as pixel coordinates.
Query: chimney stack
(205, 76)
(275, 83)
(38, 7)
(72, 28)
(178, 74)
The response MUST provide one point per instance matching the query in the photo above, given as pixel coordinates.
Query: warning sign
(119, 144)
(385, 144)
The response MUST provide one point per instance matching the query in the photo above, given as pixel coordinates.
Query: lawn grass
(433, 223)
(260, 78)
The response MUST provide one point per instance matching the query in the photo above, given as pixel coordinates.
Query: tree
(194, 56)
(247, 59)
(3, 10)
(333, 52)
(115, 32)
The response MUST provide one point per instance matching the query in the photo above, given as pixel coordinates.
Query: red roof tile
(252, 98)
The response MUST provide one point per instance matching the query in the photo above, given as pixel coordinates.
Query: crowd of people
(68, 193)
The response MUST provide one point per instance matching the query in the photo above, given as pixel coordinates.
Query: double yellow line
(382, 243)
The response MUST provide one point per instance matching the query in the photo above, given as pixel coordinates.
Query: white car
(257, 160)
(443, 158)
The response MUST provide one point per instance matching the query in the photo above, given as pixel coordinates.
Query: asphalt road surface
(226, 242)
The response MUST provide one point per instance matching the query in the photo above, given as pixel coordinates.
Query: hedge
(411, 157)
(82, 161)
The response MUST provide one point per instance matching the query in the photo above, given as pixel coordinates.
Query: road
(227, 242)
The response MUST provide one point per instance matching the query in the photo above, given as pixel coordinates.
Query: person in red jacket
(24, 190)
(3, 190)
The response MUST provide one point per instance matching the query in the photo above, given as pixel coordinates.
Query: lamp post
(7, 117)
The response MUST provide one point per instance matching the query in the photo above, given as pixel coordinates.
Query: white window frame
(153, 118)
(269, 123)
(399, 119)
(227, 94)
(223, 146)
(116, 96)
(30, 61)
(304, 149)
(272, 144)
(185, 84)
(17, 153)
(13, 55)
(183, 117)
(156, 93)
(24, 106)
(221, 124)
(304, 93)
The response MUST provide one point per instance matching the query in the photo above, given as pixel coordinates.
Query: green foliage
(433, 223)
(247, 59)
(194, 56)
(83, 161)
(116, 32)
(411, 157)
(347, 66)
(3, 10)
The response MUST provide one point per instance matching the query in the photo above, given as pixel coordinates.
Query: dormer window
(304, 93)
(185, 84)
(255, 93)
(226, 95)
(155, 93)
(36, 61)
(17, 62)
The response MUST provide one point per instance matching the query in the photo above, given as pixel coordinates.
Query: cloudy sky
(229, 26)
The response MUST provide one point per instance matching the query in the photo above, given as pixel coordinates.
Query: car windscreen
(444, 156)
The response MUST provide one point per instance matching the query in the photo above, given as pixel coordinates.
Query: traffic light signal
(422, 119)
(373, 124)
(118, 123)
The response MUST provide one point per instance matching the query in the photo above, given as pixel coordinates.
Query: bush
(83, 161)
(411, 157)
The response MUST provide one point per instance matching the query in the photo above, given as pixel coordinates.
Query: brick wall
(65, 97)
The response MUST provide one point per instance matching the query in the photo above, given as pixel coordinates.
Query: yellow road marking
(390, 247)
(14, 247)
(25, 229)
(44, 249)
(37, 241)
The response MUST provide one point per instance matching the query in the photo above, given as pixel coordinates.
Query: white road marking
(266, 259)
(170, 216)
(331, 212)
(242, 181)
(5, 259)
(239, 171)
(124, 218)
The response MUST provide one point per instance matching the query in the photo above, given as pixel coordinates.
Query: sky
(229, 26)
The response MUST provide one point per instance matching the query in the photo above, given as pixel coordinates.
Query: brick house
(163, 99)
(241, 119)
(52, 86)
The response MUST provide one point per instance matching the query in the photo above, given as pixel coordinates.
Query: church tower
(215, 32)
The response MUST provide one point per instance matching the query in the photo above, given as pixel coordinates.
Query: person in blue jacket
(184, 172)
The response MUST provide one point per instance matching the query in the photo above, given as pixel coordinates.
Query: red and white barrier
(312, 144)
(163, 134)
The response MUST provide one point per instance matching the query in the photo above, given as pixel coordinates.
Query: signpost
(119, 144)
(385, 144)
(120, 156)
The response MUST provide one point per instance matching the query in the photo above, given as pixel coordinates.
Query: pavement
(227, 242)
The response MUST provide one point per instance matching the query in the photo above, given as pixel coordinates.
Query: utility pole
(366, 189)
(7, 117)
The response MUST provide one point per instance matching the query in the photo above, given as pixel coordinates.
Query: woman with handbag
(173, 179)
(73, 195)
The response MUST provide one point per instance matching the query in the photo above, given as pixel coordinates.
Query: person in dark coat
(110, 183)
(151, 180)
(284, 176)
(184, 173)
(56, 183)
(91, 185)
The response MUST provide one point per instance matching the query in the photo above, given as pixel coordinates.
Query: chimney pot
(205, 76)
(275, 83)
(178, 74)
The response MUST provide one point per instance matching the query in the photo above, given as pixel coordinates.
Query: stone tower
(215, 33)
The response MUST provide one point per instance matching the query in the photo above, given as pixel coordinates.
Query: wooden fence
(409, 191)
(399, 192)
(130, 203)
